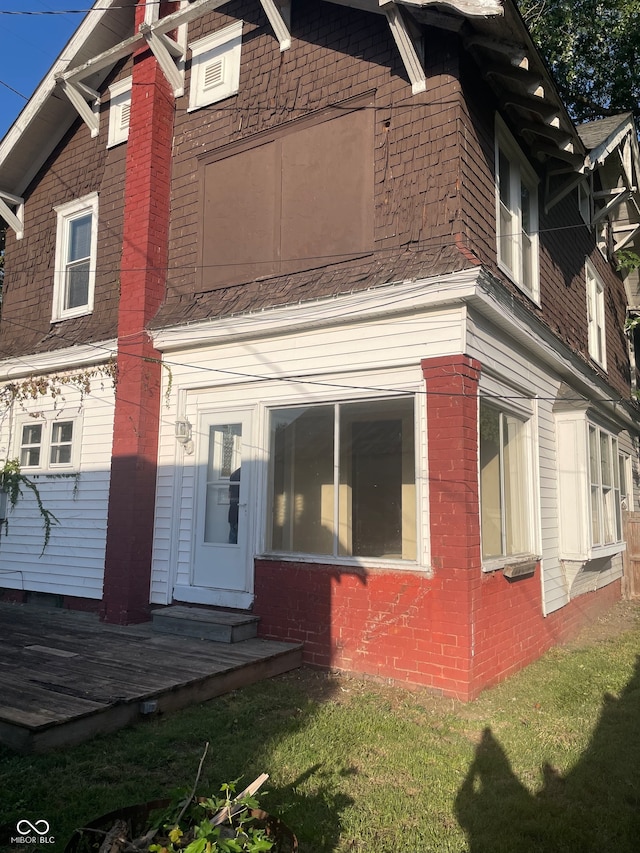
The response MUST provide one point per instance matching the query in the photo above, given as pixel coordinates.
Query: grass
(548, 762)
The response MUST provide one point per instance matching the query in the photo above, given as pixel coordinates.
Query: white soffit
(48, 114)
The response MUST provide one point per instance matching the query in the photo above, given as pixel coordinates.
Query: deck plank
(67, 676)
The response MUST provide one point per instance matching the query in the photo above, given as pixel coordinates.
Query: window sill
(596, 552)
(70, 315)
(361, 562)
(519, 564)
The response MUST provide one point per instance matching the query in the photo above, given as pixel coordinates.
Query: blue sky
(30, 46)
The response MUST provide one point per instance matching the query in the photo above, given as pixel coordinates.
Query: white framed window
(342, 479)
(48, 445)
(30, 445)
(215, 66)
(594, 483)
(596, 316)
(76, 248)
(516, 213)
(119, 112)
(608, 487)
(506, 485)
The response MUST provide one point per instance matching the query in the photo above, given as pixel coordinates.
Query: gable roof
(594, 133)
(48, 114)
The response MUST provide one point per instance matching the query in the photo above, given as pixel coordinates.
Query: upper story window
(76, 247)
(215, 66)
(595, 316)
(517, 213)
(48, 445)
(343, 480)
(119, 112)
(506, 484)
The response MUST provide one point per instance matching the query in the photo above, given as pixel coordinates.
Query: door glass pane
(222, 516)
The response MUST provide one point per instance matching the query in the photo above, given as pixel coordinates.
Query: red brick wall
(137, 405)
(415, 629)
(510, 630)
(457, 630)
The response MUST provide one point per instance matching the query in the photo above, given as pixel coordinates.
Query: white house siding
(345, 360)
(73, 561)
(510, 362)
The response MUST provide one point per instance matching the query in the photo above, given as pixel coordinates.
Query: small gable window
(215, 66)
(119, 112)
(75, 270)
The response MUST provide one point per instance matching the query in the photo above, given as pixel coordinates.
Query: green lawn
(548, 761)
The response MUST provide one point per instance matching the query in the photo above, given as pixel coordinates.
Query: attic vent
(125, 115)
(215, 66)
(213, 74)
(119, 112)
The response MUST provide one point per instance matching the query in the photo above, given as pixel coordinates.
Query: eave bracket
(278, 20)
(402, 37)
(13, 218)
(167, 52)
(79, 95)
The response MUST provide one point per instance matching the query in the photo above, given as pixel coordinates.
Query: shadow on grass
(595, 807)
(159, 758)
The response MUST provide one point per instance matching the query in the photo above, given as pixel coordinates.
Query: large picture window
(517, 214)
(343, 480)
(76, 245)
(505, 484)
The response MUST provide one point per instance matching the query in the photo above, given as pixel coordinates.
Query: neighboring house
(356, 267)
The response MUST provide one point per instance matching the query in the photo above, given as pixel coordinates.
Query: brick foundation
(457, 630)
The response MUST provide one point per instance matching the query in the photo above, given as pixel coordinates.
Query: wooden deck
(65, 676)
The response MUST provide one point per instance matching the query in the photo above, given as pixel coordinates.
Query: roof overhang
(48, 114)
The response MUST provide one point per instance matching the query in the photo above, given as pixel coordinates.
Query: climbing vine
(20, 393)
(12, 482)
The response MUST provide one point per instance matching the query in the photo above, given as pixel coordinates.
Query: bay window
(608, 487)
(342, 479)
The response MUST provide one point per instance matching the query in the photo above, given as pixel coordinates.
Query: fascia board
(69, 358)
(505, 312)
(395, 299)
(13, 139)
(598, 155)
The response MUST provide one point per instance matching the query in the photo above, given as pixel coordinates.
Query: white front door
(221, 548)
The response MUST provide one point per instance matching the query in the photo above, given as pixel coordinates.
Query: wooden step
(221, 626)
